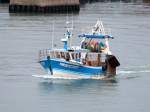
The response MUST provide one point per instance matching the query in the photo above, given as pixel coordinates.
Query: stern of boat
(111, 64)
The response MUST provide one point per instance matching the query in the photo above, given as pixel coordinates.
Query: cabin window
(73, 57)
(62, 55)
(67, 56)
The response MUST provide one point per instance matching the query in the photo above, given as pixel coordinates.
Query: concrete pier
(43, 6)
(4, 1)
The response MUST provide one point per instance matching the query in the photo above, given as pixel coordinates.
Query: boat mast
(70, 40)
(53, 34)
(102, 27)
(68, 34)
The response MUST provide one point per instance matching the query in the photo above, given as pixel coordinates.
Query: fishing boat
(91, 59)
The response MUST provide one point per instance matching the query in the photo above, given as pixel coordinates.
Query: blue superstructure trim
(65, 45)
(96, 36)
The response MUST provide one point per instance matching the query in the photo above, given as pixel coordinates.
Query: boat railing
(43, 54)
(89, 58)
(52, 53)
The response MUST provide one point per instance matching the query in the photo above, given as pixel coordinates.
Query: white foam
(53, 77)
(70, 77)
(132, 72)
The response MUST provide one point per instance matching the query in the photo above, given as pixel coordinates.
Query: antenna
(72, 21)
(72, 31)
(67, 12)
(103, 31)
(53, 33)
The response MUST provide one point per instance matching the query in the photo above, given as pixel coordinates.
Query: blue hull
(70, 68)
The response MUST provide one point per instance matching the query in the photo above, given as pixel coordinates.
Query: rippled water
(23, 35)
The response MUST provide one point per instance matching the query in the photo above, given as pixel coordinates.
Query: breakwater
(4, 1)
(43, 6)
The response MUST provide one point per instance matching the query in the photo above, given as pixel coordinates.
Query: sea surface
(23, 35)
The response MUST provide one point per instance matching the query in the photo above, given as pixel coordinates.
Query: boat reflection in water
(75, 86)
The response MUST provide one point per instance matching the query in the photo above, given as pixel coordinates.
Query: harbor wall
(43, 5)
(4, 1)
